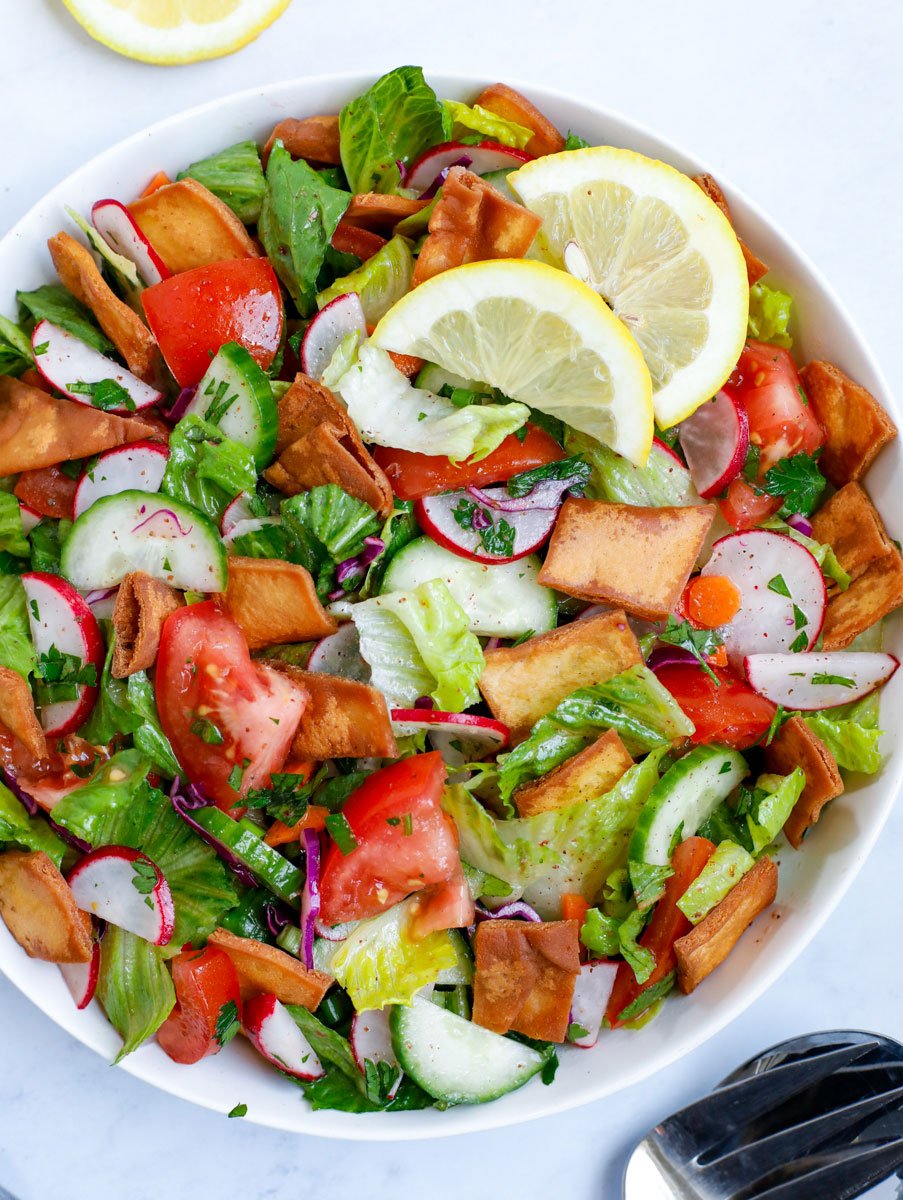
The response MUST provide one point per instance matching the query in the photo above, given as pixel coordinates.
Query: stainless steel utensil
(818, 1117)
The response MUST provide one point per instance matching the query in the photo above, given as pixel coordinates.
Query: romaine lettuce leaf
(206, 469)
(769, 315)
(15, 348)
(149, 737)
(12, 535)
(46, 541)
(16, 650)
(640, 959)
(134, 986)
(384, 278)
(483, 848)
(822, 553)
(324, 527)
(54, 303)
(656, 485)
(769, 806)
(851, 733)
(112, 787)
(473, 118)
(723, 871)
(18, 829)
(235, 176)
(400, 529)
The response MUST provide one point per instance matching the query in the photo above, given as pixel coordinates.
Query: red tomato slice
(767, 384)
(745, 508)
(415, 475)
(195, 312)
(219, 709)
(49, 779)
(729, 712)
(405, 842)
(48, 490)
(443, 906)
(205, 981)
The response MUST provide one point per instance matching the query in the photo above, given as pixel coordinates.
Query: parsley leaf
(778, 585)
(287, 798)
(144, 879)
(207, 731)
(798, 481)
(699, 642)
(60, 675)
(240, 1110)
(498, 539)
(841, 680)
(575, 469)
(227, 1024)
(105, 394)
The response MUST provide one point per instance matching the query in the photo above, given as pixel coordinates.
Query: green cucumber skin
(432, 378)
(253, 418)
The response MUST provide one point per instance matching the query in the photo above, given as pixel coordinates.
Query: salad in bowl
(434, 597)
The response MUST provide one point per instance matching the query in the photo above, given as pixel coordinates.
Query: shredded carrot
(712, 600)
(161, 179)
(574, 907)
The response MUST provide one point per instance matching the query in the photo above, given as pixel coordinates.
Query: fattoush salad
(431, 589)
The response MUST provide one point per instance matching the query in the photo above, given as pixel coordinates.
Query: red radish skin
(238, 510)
(804, 682)
(715, 441)
(324, 334)
(484, 157)
(30, 517)
(119, 230)
(138, 466)
(273, 1033)
(106, 883)
(415, 720)
(435, 517)
(63, 360)
(247, 525)
(81, 978)
(60, 617)
(371, 1041)
(592, 991)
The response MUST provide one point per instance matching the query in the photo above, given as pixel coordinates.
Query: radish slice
(813, 681)
(29, 516)
(484, 157)
(139, 465)
(782, 593)
(715, 440)
(120, 231)
(102, 602)
(339, 653)
(247, 525)
(238, 510)
(436, 517)
(310, 896)
(62, 622)
(334, 933)
(460, 737)
(66, 363)
(126, 888)
(275, 1035)
(371, 1041)
(326, 331)
(592, 989)
(81, 978)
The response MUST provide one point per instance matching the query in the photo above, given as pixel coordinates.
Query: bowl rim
(418, 1125)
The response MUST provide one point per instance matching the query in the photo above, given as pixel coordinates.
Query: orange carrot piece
(161, 179)
(574, 907)
(712, 600)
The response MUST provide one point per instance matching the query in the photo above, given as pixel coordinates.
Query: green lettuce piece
(640, 960)
(394, 121)
(323, 527)
(634, 703)
(134, 986)
(380, 281)
(205, 469)
(112, 787)
(769, 315)
(149, 737)
(19, 829)
(417, 224)
(15, 348)
(235, 176)
(723, 871)
(851, 733)
(379, 963)
(12, 535)
(16, 650)
(298, 217)
(388, 410)
(419, 643)
(473, 118)
(574, 141)
(399, 529)
(599, 933)
(372, 1084)
(54, 303)
(657, 485)
(46, 541)
(772, 803)
(822, 553)
(509, 861)
(269, 541)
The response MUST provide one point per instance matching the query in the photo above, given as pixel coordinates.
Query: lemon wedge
(175, 31)
(539, 335)
(659, 252)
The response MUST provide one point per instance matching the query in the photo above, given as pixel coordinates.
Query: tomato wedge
(745, 508)
(414, 476)
(48, 490)
(767, 384)
(195, 312)
(728, 711)
(205, 982)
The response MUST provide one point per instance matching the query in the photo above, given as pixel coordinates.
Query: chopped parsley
(240, 1110)
(105, 394)
(144, 879)
(207, 731)
(797, 481)
(227, 1023)
(498, 539)
(699, 642)
(340, 831)
(840, 680)
(287, 797)
(800, 620)
(575, 469)
(800, 644)
(221, 402)
(780, 716)
(61, 674)
(778, 585)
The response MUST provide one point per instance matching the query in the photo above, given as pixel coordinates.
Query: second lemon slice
(656, 248)
(537, 334)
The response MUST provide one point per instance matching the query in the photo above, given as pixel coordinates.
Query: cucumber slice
(499, 180)
(455, 1060)
(137, 531)
(505, 600)
(462, 971)
(236, 394)
(683, 798)
(433, 378)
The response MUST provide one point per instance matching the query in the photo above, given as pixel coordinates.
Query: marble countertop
(798, 104)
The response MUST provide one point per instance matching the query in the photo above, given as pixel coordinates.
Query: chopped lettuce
(399, 529)
(298, 217)
(393, 122)
(46, 541)
(851, 733)
(769, 805)
(54, 303)
(473, 118)
(599, 933)
(149, 737)
(16, 650)
(419, 643)
(769, 315)
(509, 861)
(723, 871)
(12, 536)
(19, 829)
(822, 553)
(235, 175)
(640, 960)
(384, 278)
(324, 527)
(388, 410)
(134, 987)
(15, 348)
(112, 787)
(205, 469)
(656, 485)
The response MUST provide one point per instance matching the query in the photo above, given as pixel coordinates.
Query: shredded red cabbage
(667, 656)
(310, 896)
(512, 911)
(800, 523)
(349, 567)
(28, 802)
(177, 410)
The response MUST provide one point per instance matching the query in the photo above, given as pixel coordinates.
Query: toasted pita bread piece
(17, 713)
(852, 526)
(636, 558)
(264, 969)
(274, 602)
(473, 222)
(857, 426)
(38, 430)
(877, 592)
(190, 227)
(510, 105)
(525, 976)
(313, 138)
(374, 210)
(343, 718)
(755, 268)
(797, 746)
(707, 946)
(589, 774)
(142, 605)
(79, 274)
(523, 683)
(37, 905)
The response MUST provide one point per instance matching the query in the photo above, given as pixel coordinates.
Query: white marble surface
(800, 104)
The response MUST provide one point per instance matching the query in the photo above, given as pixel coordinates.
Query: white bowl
(812, 882)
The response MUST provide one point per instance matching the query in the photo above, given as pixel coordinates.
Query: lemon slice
(175, 31)
(656, 248)
(540, 336)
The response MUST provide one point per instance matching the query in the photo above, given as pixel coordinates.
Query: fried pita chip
(351, 239)
(636, 558)
(797, 746)
(343, 718)
(190, 227)
(510, 105)
(274, 602)
(79, 274)
(374, 210)
(37, 430)
(313, 138)
(755, 268)
(142, 605)
(857, 426)
(409, 364)
(852, 526)
(49, 490)
(473, 222)
(525, 975)
(264, 970)
(707, 946)
(307, 404)
(589, 774)
(877, 592)
(37, 905)
(17, 713)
